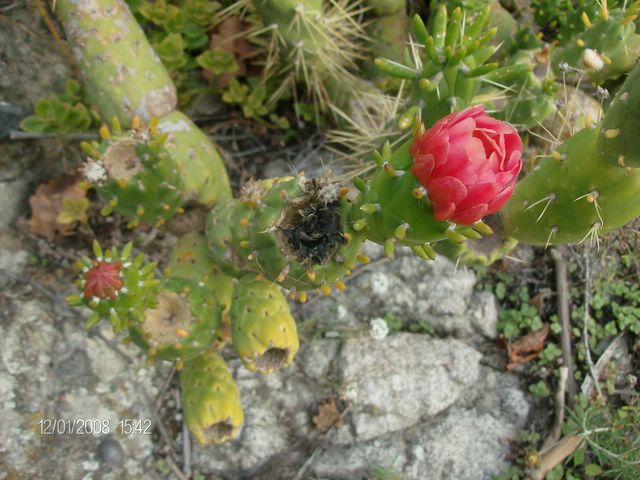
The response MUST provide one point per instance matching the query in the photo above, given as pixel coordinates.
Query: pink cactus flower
(468, 162)
(103, 280)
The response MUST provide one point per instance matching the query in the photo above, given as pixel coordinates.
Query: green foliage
(61, 113)
(539, 390)
(217, 61)
(612, 435)
(517, 315)
(171, 51)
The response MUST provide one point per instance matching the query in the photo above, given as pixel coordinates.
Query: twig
(585, 322)
(186, 450)
(556, 431)
(562, 286)
(174, 468)
(18, 135)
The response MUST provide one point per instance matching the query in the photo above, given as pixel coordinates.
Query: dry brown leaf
(48, 202)
(526, 348)
(228, 37)
(328, 415)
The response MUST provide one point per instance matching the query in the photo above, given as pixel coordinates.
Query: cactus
(134, 174)
(263, 331)
(586, 187)
(184, 322)
(115, 287)
(453, 66)
(294, 231)
(608, 48)
(210, 399)
(131, 79)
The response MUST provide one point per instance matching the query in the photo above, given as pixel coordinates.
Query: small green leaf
(593, 470)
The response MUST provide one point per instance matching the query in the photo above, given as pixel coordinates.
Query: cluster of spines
(134, 174)
(115, 287)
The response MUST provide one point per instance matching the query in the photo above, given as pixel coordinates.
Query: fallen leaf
(229, 37)
(526, 348)
(57, 206)
(328, 415)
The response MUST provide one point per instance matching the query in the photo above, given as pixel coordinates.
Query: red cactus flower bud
(103, 280)
(469, 163)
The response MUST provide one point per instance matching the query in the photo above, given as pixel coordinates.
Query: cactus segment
(210, 399)
(402, 212)
(184, 322)
(451, 67)
(572, 196)
(115, 287)
(481, 252)
(314, 45)
(190, 259)
(262, 328)
(121, 73)
(198, 160)
(607, 49)
(619, 141)
(135, 175)
(295, 231)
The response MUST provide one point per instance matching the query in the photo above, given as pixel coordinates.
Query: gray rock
(464, 444)
(483, 314)
(349, 462)
(37, 382)
(12, 258)
(396, 382)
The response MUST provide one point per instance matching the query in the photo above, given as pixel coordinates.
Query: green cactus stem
(210, 399)
(263, 330)
(134, 174)
(190, 259)
(315, 45)
(572, 196)
(122, 75)
(197, 158)
(619, 140)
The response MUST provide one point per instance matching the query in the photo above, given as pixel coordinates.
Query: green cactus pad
(572, 196)
(262, 328)
(619, 138)
(184, 322)
(210, 399)
(296, 232)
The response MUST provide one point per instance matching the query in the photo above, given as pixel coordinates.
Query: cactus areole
(468, 162)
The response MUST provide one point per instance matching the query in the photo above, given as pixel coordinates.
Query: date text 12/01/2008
(95, 426)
